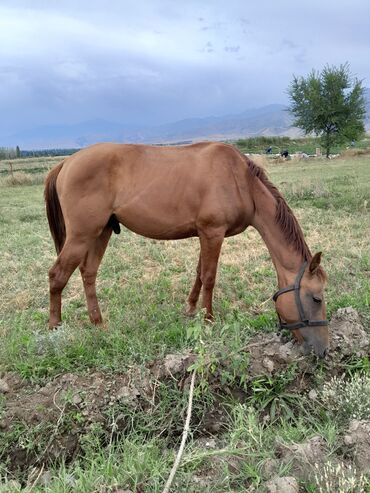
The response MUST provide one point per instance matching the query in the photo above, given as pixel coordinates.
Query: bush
(338, 478)
(347, 399)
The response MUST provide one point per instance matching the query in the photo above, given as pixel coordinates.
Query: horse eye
(317, 299)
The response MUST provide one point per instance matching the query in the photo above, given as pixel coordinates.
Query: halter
(303, 322)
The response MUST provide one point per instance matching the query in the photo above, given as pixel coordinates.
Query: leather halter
(303, 322)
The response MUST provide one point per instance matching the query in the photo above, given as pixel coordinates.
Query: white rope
(184, 437)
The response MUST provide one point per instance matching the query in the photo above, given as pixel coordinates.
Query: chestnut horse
(209, 190)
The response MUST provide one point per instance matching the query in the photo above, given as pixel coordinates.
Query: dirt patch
(302, 457)
(172, 365)
(286, 484)
(268, 355)
(89, 398)
(358, 440)
(348, 336)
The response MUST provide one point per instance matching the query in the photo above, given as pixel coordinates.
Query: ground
(87, 410)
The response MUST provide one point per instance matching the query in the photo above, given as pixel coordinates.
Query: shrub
(347, 399)
(338, 478)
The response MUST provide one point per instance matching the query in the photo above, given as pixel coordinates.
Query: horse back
(162, 192)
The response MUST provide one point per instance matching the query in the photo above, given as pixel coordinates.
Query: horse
(207, 190)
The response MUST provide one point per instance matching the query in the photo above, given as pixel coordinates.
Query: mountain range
(273, 119)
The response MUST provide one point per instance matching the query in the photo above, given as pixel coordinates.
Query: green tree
(330, 104)
(18, 152)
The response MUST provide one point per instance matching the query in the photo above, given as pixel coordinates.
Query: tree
(330, 104)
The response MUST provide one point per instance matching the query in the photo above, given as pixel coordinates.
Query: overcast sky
(149, 62)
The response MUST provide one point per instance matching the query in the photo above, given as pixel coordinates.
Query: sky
(152, 62)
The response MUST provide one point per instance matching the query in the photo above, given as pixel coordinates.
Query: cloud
(157, 61)
(232, 49)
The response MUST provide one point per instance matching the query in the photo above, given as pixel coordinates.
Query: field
(308, 145)
(238, 424)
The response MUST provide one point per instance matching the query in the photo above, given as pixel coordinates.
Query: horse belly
(156, 221)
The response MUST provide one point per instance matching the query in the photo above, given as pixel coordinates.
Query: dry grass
(308, 188)
(339, 478)
(20, 178)
(351, 153)
(260, 159)
(17, 178)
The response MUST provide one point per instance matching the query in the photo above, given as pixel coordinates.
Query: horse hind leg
(68, 260)
(89, 269)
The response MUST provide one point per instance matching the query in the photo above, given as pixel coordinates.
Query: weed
(340, 478)
(270, 393)
(347, 399)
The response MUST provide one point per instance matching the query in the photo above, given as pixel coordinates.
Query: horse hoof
(55, 327)
(190, 312)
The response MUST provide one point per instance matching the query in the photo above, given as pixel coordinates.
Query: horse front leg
(89, 269)
(194, 294)
(210, 243)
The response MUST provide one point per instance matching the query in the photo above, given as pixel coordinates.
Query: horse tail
(53, 209)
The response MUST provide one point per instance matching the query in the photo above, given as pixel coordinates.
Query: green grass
(29, 165)
(142, 287)
(308, 145)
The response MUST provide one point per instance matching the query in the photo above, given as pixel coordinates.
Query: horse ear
(315, 262)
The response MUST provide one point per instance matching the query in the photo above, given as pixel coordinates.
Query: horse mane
(284, 216)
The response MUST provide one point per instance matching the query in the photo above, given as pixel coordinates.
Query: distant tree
(7, 153)
(330, 104)
(18, 152)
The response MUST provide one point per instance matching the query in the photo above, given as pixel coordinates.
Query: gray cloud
(153, 62)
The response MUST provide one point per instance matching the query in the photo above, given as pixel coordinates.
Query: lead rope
(184, 437)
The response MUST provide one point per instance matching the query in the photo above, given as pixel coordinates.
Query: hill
(269, 120)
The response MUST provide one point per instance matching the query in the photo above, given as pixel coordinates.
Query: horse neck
(285, 257)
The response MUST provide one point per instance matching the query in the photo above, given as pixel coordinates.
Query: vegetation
(347, 399)
(142, 286)
(48, 152)
(307, 145)
(16, 153)
(330, 104)
(9, 152)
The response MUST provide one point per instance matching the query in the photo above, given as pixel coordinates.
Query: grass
(308, 145)
(29, 165)
(142, 287)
